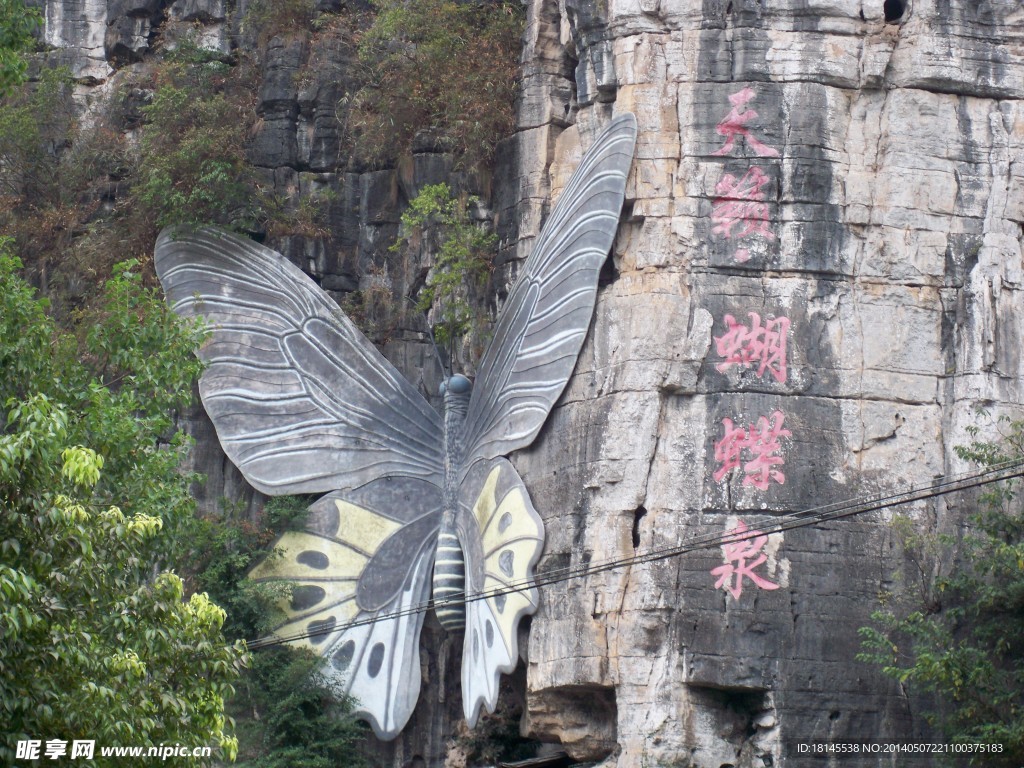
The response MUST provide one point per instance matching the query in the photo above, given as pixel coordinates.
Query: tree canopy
(17, 23)
(96, 639)
(965, 644)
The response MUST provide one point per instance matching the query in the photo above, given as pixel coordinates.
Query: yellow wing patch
(325, 572)
(307, 556)
(364, 529)
(512, 537)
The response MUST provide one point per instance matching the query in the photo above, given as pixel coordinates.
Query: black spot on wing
(318, 630)
(343, 656)
(314, 559)
(504, 522)
(305, 596)
(376, 660)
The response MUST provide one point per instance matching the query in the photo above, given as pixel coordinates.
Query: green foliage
(58, 183)
(287, 714)
(17, 23)
(192, 167)
(122, 376)
(303, 721)
(97, 643)
(54, 182)
(439, 223)
(302, 215)
(438, 65)
(226, 550)
(970, 654)
(35, 124)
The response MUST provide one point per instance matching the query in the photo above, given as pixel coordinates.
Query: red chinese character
(764, 445)
(761, 443)
(765, 345)
(729, 448)
(734, 125)
(736, 555)
(741, 201)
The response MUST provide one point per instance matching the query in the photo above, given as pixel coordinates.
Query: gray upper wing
(302, 401)
(545, 320)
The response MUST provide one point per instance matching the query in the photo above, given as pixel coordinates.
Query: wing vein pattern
(544, 322)
(365, 556)
(302, 401)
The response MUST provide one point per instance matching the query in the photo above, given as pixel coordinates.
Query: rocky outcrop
(816, 282)
(817, 279)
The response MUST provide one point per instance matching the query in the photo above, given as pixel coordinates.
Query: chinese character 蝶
(756, 448)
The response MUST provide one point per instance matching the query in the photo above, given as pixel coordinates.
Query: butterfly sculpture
(417, 504)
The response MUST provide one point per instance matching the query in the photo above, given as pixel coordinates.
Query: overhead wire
(779, 524)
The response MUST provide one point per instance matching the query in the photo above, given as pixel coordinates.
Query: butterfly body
(449, 582)
(418, 507)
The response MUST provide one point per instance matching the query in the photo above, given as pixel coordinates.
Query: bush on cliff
(965, 645)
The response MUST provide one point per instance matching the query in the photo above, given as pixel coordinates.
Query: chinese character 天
(735, 125)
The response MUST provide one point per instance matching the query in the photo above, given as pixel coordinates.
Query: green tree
(303, 720)
(35, 123)
(97, 642)
(192, 167)
(966, 646)
(17, 23)
(462, 253)
(288, 715)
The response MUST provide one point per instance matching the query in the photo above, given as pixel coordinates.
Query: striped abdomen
(449, 582)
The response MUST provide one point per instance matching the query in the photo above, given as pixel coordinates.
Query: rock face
(816, 280)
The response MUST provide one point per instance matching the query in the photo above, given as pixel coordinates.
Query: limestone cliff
(816, 280)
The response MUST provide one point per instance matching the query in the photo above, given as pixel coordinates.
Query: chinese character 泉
(741, 558)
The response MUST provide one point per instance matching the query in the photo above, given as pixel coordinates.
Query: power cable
(802, 519)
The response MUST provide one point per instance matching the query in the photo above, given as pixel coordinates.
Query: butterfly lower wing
(502, 537)
(361, 584)
(544, 322)
(302, 401)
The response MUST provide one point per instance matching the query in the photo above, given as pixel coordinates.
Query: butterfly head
(455, 390)
(457, 385)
